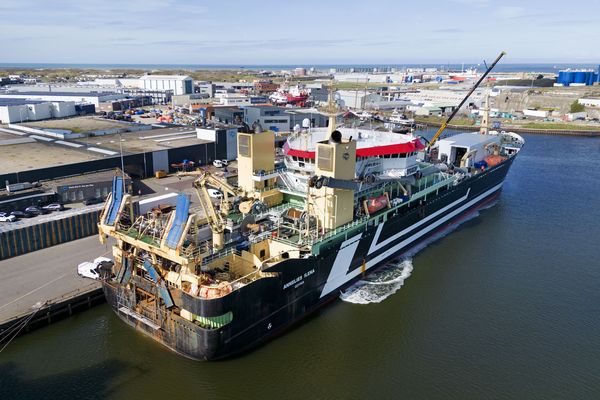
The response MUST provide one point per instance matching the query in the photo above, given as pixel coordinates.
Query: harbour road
(46, 274)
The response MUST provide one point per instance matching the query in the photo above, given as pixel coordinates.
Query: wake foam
(388, 279)
(380, 284)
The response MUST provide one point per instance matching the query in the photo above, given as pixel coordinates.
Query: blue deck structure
(181, 216)
(126, 271)
(162, 288)
(115, 200)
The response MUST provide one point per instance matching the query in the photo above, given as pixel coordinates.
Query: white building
(179, 84)
(269, 117)
(363, 78)
(589, 102)
(21, 110)
(535, 113)
(93, 98)
(429, 97)
(216, 134)
(357, 99)
(233, 99)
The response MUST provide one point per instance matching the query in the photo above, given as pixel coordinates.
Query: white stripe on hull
(376, 246)
(339, 273)
(337, 276)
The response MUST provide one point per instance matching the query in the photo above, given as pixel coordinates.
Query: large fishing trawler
(285, 241)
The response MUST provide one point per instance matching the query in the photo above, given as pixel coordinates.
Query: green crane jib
(445, 123)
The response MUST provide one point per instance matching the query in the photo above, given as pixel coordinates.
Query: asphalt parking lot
(7, 226)
(149, 188)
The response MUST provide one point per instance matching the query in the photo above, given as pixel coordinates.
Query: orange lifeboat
(374, 204)
(494, 160)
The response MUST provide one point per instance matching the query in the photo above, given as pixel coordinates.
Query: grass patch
(559, 126)
(437, 120)
(358, 85)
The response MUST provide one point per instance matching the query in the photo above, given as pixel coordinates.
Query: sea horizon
(507, 67)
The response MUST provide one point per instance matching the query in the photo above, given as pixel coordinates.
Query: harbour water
(506, 306)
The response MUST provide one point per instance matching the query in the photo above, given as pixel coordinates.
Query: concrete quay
(47, 281)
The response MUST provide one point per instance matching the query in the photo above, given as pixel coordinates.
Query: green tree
(577, 107)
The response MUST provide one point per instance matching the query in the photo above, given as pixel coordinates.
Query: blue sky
(297, 32)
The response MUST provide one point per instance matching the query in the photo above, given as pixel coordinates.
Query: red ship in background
(294, 95)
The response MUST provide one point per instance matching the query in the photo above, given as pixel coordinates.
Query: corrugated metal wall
(40, 236)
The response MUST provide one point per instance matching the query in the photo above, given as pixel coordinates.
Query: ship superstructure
(285, 240)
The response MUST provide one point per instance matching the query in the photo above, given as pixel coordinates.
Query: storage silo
(566, 77)
(580, 77)
(591, 78)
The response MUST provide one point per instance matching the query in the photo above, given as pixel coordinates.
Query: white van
(220, 163)
(214, 193)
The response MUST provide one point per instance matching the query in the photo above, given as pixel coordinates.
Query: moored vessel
(284, 241)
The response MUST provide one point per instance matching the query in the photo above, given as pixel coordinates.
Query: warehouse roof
(27, 156)
(18, 102)
(72, 94)
(175, 77)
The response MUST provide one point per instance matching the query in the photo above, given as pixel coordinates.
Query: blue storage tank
(566, 77)
(591, 79)
(580, 77)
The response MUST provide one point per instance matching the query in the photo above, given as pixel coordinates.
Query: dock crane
(445, 123)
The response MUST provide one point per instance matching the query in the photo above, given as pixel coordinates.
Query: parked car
(214, 193)
(220, 163)
(35, 210)
(53, 207)
(93, 200)
(7, 218)
(22, 214)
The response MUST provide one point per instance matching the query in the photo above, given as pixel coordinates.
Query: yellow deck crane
(217, 218)
(445, 123)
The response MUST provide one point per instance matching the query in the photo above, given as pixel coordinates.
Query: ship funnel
(336, 137)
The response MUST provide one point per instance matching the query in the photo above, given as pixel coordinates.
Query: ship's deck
(365, 138)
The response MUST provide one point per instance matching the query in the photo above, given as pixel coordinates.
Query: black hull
(268, 306)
